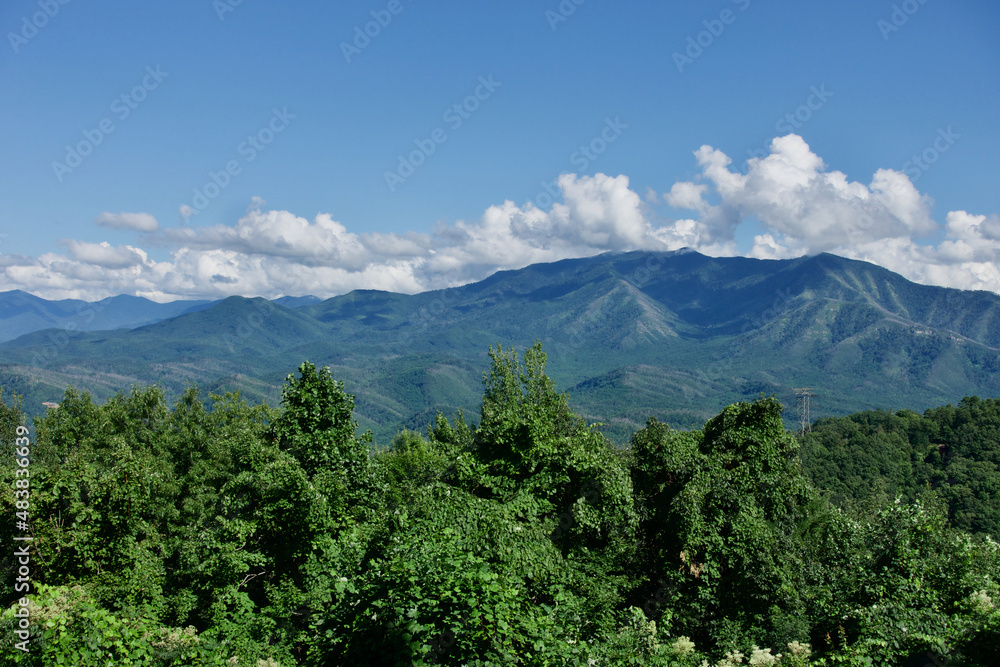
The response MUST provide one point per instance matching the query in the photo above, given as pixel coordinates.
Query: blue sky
(201, 148)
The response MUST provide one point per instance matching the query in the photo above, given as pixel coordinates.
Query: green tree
(411, 463)
(723, 508)
(317, 426)
(530, 442)
(512, 542)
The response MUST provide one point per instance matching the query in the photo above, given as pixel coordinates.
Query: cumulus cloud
(808, 209)
(803, 206)
(687, 195)
(793, 195)
(766, 247)
(277, 234)
(104, 255)
(272, 252)
(141, 222)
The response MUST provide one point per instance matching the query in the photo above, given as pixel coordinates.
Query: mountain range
(628, 335)
(22, 313)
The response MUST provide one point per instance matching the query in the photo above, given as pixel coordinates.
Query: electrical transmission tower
(803, 395)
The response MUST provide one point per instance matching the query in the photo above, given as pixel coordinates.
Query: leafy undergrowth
(245, 535)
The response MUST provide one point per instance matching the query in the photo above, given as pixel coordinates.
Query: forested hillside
(238, 534)
(952, 450)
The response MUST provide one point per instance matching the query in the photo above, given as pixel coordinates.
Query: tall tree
(317, 426)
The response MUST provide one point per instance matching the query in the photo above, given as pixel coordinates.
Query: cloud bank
(803, 207)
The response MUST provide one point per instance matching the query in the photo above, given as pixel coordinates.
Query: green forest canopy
(240, 534)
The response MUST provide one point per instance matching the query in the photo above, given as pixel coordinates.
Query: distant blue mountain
(22, 313)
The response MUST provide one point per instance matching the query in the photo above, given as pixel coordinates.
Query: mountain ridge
(631, 335)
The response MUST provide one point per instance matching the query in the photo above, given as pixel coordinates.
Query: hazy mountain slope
(22, 313)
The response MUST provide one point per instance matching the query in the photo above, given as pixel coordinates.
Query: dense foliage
(186, 535)
(952, 450)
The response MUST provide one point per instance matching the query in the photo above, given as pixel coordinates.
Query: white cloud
(687, 195)
(802, 206)
(278, 234)
(104, 255)
(807, 209)
(269, 252)
(793, 195)
(766, 247)
(142, 222)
